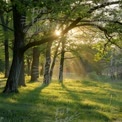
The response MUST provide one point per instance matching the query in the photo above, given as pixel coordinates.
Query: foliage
(93, 76)
(65, 15)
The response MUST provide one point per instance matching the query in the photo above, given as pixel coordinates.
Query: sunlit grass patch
(74, 101)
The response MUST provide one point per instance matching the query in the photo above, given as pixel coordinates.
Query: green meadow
(72, 101)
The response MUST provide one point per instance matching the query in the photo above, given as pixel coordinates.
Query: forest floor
(72, 101)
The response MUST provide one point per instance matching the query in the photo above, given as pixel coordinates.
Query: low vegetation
(72, 101)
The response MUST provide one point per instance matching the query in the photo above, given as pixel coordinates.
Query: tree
(54, 60)
(21, 81)
(46, 79)
(28, 64)
(76, 12)
(18, 54)
(5, 21)
(62, 61)
(35, 64)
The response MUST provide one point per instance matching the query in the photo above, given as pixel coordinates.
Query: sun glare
(58, 33)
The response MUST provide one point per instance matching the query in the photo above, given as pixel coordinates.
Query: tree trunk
(5, 30)
(35, 64)
(12, 82)
(47, 64)
(28, 66)
(18, 54)
(62, 62)
(6, 59)
(42, 69)
(22, 74)
(53, 62)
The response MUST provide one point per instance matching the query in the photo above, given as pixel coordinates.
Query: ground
(73, 101)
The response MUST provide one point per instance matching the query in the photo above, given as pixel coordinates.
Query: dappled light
(72, 69)
(58, 32)
(60, 61)
(77, 97)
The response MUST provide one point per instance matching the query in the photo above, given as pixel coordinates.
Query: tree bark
(22, 74)
(18, 54)
(6, 47)
(53, 62)
(6, 58)
(28, 66)
(12, 81)
(46, 79)
(62, 62)
(35, 64)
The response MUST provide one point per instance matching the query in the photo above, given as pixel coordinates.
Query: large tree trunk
(46, 79)
(22, 74)
(6, 47)
(53, 62)
(62, 62)
(12, 81)
(35, 64)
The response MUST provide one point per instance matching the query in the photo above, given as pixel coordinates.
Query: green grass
(72, 101)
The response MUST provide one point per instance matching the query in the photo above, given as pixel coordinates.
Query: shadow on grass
(113, 90)
(33, 94)
(90, 83)
(22, 107)
(71, 94)
(34, 106)
(85, 110)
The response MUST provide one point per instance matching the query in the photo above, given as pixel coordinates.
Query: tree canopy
(35, 23)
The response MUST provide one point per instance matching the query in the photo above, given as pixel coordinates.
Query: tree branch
(69, 57)
(110, 41)
(42, 41)
(7, 11)
(72, 25)
(6, 27)
(36, 19)
(108, 37)
(93, 25)
(103, 5)
(111, 21)
(51, 37)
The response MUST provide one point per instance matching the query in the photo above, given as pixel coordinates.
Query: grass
(72, 101)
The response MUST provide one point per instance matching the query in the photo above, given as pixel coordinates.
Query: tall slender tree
(54, 60)
(62, 61)
(46, 79)
(5, 21)
(35, 64)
